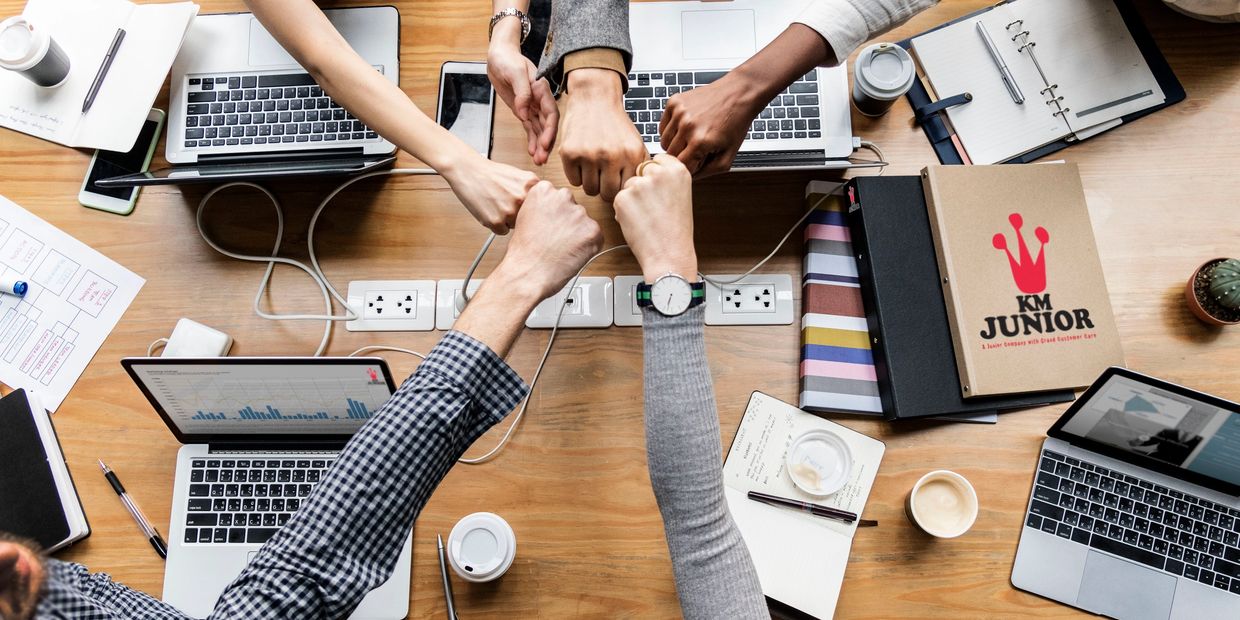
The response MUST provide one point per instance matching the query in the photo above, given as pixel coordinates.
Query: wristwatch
(671, 294)
(511, 12)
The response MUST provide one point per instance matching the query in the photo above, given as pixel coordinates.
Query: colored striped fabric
(837, 367)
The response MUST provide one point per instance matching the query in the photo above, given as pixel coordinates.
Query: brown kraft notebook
(1024, 290)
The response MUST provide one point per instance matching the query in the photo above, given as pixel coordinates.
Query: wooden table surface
(1163, 195)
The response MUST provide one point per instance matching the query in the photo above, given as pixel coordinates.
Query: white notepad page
(1083, 46)
(992, 127)
(1087, 50)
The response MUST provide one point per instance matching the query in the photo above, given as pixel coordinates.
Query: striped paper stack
(837, 368)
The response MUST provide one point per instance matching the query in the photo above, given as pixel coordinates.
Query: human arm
(517, 81)
(492, 192)
(715, 576)
(345, 539)
(586, 60)
(705, 127)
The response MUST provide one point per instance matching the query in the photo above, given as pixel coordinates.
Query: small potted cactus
(1214, 292)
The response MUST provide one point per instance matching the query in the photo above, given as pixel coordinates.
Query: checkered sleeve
(70, 592)
(347, 536)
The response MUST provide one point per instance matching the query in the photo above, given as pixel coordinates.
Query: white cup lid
(20, 44)
(482, 546)
(819, 462)
(885, 70)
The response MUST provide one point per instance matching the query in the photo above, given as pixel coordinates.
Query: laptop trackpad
(717, 34)
(264, 50)
(1121, 589)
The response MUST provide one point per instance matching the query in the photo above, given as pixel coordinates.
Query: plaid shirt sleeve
(346, 538)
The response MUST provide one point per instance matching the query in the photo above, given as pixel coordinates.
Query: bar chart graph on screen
(262, 398)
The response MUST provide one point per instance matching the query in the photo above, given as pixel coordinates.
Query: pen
(1006, 74)
(13, 286)
(103, 69)
(447, 584)
(813, 509)
(157, 541)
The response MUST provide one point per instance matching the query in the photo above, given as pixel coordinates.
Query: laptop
(258, 434)
(241, 107)
(1135, 509)
(678, 46)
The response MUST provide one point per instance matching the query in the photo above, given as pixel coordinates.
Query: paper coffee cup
(883, 73)
(942, 504)
(481, 547)
(30, 51)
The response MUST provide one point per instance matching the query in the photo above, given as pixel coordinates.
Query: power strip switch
(392, 305)
(759, 299)
(625, 312)
(449, 301)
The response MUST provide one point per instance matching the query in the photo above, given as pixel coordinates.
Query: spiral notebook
(1077, 63)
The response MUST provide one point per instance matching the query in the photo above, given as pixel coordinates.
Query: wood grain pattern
(1162, 193)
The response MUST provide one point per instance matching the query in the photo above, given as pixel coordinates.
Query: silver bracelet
(511, 12)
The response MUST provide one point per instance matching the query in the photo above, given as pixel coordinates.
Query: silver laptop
(679, 46)
(242, 108)
(259, 433)
(1135, 510)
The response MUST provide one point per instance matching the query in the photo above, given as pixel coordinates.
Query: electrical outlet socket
(759, 299)
(625, 312)
(587, 304)
(449, 301)
(392, 305)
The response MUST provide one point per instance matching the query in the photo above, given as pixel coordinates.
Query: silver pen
(447, 584)
(1008, 80)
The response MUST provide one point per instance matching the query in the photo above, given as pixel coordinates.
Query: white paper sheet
(76, 296)
(800, 558)
(84, 29)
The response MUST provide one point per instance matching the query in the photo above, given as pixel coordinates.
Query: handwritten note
(76, 296)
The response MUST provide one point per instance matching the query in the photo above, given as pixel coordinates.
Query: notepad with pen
(1054, 72)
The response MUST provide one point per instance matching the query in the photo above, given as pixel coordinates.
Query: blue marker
(13, 286)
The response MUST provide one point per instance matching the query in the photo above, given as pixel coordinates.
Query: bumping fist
(655, 212)
(553, 238)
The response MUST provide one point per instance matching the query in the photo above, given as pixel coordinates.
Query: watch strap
(697, 294)
(511, 12)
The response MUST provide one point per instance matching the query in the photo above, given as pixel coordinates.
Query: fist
(553, 238)
(655, 212)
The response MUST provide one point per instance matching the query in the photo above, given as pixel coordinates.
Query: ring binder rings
(1052, 50)
(1026, 47)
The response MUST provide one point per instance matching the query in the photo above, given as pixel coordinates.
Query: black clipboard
(931, 116)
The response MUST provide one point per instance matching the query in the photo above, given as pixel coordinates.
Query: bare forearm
(306, 34)
(496, 314)
(792, 54)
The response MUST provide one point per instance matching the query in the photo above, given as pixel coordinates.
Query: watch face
(671, 295)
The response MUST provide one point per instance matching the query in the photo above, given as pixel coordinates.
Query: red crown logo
(1029, 273)
(374, 376)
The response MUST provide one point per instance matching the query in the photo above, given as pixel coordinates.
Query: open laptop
(242, 108)
(679, 46)
(1135, 511)
(259, 433)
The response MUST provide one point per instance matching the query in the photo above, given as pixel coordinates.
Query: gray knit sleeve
(584, 24)
(715, 576)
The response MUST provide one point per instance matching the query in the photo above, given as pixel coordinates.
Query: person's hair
(12, 596)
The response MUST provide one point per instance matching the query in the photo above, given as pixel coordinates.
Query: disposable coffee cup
(883, 73)
(942, 504)
(481, 547)
(29, 50)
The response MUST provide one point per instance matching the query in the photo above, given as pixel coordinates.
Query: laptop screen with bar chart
(218, 398)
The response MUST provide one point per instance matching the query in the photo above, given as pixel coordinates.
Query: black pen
(826, 512)
(103, 70)
(157, 541)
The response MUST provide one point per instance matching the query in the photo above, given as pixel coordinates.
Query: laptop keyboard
(794, 113)
(241, 110)
(247, 500)
(1137, 520)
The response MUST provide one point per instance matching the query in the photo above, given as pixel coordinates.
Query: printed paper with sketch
(75, 298)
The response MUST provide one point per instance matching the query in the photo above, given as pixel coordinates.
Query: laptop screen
(229, 397)
(1160, 423)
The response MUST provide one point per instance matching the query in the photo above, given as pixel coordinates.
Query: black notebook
(910, 336)
(37, 496)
